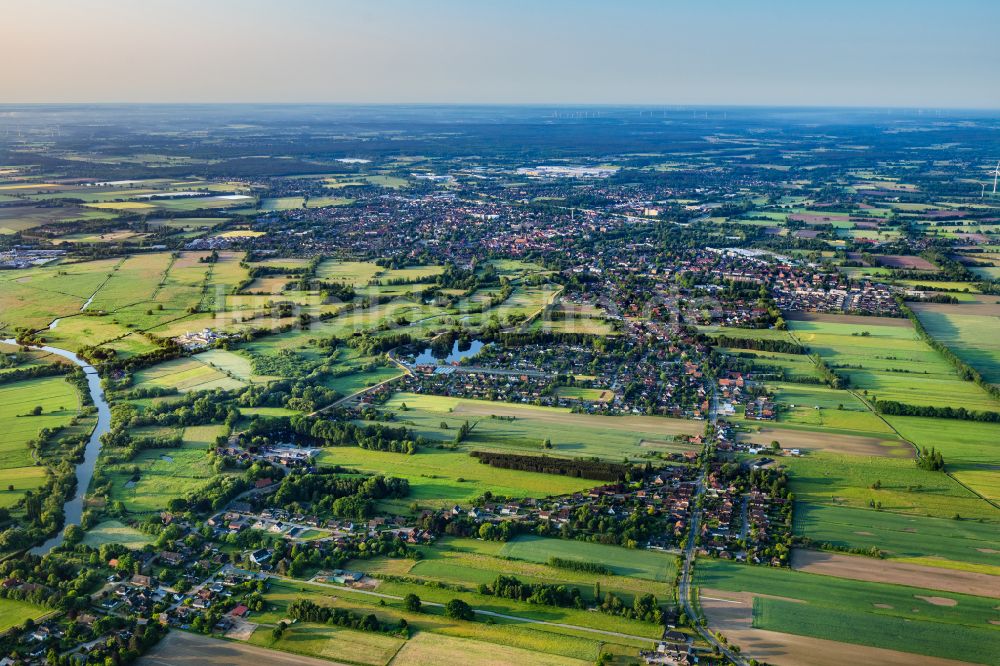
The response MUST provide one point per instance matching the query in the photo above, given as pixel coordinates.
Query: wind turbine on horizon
(996, 175)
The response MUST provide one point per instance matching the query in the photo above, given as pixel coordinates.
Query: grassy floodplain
(165, 473)
(60, 403)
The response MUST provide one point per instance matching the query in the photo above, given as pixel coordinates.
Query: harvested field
(906, 261)
(860, 320)
(732, 614)
(267, 285)
(180, 648)
(426, 649)
(902, 573)
(834, 443)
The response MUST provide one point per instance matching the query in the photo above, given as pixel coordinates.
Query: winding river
(73, 508)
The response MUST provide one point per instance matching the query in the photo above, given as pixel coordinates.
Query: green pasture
(524, 428)
(847, 480)
(647, 564)
(545, 642)
(890, 362)
(14, 612)
(165, 473)
(972, 337)
(945, 542)
(894, 617)
(60, 403)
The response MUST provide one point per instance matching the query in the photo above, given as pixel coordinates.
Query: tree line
(581, 468)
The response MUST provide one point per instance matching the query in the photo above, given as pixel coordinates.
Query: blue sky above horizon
(916, 53)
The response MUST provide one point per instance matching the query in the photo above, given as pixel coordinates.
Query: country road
(684, 592)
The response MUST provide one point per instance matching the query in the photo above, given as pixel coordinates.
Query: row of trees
(583, 468)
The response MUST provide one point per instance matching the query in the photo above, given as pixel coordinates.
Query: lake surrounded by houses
(459, 352)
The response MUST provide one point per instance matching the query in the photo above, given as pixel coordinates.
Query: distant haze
(916, 53)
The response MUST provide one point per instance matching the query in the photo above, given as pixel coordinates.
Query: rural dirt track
(901, 573)
(734, 620)
(645, 424)
(181, 648)
(823, 441)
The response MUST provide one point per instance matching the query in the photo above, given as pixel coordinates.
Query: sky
(899, 53)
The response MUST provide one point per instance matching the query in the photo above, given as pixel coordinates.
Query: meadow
(829, 478)
(470, 562)
(113, 531)
(60, 403)
(426, 649)
(14, 613)
(896, 617)
(186, 374)
(827, 409)
(972, 337)
(165, 473)
(889, 362)
(647, 564)
(969, 448)
(442, 478)
(944, 542)
(535, 642)
(525, 427)
(331, 642)
(527, 611)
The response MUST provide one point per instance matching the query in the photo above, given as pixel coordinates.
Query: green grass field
(14, 613)
(443, 477)
(827, 478)
(894, 617)
(647, 564)
(112, 531)
(428, 649)
(612, 437)
(894, 363)
(185, 375)
(971, 336)
(969, 448)
(326, 642)
(471, 562)
(939, 541)
(60, 403)
(546, 644)
(837, 410)
(165, 473)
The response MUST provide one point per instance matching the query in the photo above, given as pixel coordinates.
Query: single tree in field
(459, 610)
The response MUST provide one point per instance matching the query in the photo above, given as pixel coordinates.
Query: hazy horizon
(777, 53)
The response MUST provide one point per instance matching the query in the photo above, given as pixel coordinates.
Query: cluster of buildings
(202, 339)
(743, 524)
(18, 257)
